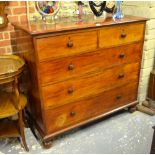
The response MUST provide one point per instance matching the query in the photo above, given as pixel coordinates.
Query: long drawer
(69, 67)
(121, 34)
(70, 114)
(75, 89)
(65, 45)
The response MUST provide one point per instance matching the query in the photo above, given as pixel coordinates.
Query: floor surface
(120, 133)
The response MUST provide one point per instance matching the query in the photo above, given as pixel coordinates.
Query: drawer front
(66, 68)
(118, 35)
(65, 45)
(75, 89)
(71, 114)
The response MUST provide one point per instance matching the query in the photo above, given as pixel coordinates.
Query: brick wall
(145, 9)
(16, 11)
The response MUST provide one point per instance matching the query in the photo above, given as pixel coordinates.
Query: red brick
(22, 3)
(9, 28)
(31, 10)
(13, 18)
(2, 50)
(8, 10)
(1, 35)
(16, 11)
(12, 34)
(21, 10)
(5, 43)
(6, 35)
(23, 18)
(13, 3)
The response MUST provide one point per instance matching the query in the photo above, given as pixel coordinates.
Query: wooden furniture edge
(102, 24)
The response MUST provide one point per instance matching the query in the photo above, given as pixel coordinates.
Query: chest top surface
(39, 28)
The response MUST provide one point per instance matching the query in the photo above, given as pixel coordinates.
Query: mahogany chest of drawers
(80, 72)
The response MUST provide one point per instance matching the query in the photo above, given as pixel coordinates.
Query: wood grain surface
(70, 114)
(65, 45)
(121, 34)
(71, 90)
(78, 65)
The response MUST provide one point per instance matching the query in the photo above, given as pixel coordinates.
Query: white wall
(144, 9)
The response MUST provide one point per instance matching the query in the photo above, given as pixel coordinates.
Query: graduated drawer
(121, 34)
(71, 90)
(71, 114)
(69, 67)
(65, 45)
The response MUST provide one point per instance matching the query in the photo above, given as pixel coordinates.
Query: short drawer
(66, 68)
(65, 45)
(75, 89)
(71, 114)
(122, 34)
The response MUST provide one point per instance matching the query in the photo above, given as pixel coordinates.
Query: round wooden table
(12, 103)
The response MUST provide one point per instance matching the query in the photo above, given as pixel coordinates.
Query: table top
(70, 23)
(10, 66)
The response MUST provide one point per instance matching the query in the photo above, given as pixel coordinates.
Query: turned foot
(47, 145)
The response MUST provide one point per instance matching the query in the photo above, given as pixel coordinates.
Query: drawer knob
(121, 76)
(123, 35)
(122, 55)
(70, 44)
(70, 67)
(70, 90)
(72, 113)
(118, 97)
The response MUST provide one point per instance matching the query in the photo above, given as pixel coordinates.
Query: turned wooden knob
(70, 67)
(121, 76)
(70, 90)
(118, 97)
(123, 35)
(72, 113)
(122, 55)
(70, 44)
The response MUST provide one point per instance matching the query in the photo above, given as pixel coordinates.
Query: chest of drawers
(81, 72)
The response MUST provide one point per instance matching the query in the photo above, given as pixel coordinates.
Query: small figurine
(80, 9)
(118, 13)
